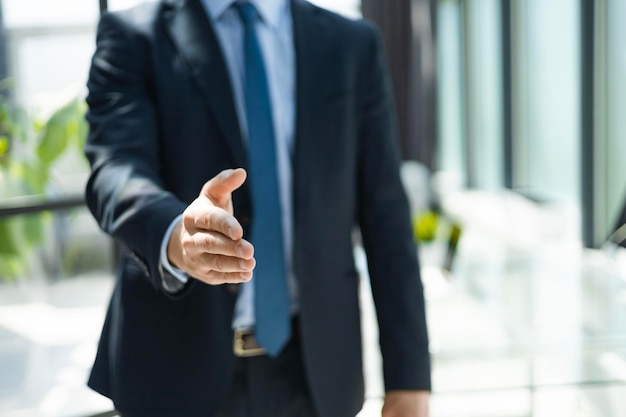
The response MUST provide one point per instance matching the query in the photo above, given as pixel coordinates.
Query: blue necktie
(271, 311)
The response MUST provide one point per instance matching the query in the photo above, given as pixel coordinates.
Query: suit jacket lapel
(192, 34)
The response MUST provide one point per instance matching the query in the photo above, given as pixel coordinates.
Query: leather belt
(245, 344)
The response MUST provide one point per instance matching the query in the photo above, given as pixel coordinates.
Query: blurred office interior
(512, 126)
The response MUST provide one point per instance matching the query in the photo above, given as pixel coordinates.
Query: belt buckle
(239, 346)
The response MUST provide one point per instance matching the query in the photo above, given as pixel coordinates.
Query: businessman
(235, 148)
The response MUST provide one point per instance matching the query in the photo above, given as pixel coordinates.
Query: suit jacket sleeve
(124, 192)
(387, 234)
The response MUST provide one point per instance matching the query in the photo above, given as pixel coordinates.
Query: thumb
(219, 188)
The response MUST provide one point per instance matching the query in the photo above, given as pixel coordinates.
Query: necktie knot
(247, 11)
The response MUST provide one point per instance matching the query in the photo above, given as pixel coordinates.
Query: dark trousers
(266, 387)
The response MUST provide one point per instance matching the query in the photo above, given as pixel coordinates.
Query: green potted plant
(29, 147)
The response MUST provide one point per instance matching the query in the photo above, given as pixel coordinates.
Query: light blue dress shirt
(275, 33)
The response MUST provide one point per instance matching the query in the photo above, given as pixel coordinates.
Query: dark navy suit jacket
(162, 123)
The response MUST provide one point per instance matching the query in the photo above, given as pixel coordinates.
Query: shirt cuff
(173, 279)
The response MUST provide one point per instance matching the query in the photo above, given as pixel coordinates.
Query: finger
(221, 263)
(213, 219)
(219, 244)
(219, 278)
(219, 188)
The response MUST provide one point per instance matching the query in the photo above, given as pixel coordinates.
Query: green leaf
(33, 174)
(34, 228)
(425, 226)
(83, 126)
(57, 133)
(18, 236)
(11, 267)
(4, 145)
(10, 237)
(17, 124)
(54, 141)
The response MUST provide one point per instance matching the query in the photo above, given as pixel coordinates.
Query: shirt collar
(270, 10)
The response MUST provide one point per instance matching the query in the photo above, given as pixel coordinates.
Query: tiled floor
(525, 326)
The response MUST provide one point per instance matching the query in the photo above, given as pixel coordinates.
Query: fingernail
(242, 265)
(226, 174)
(239, 250)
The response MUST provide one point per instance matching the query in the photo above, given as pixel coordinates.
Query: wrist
(174, 247)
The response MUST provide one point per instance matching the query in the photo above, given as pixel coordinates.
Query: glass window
(452, 162)
(547, 107)
(49, 46)
(613, 169)
(484, 104)
(49, 13)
